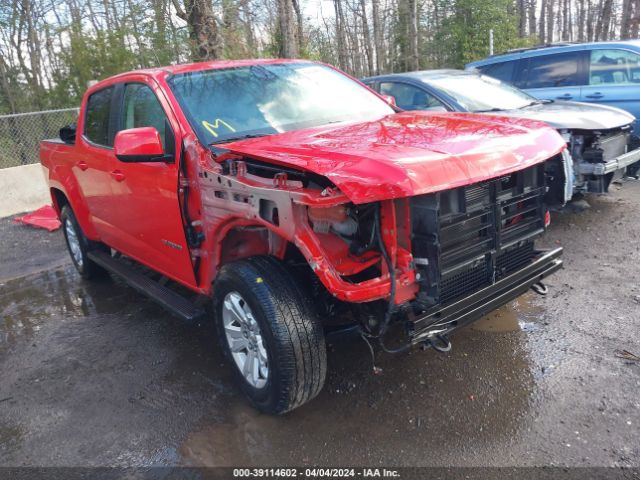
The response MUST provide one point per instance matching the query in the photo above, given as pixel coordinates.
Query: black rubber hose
(392, 293)
(392, 274)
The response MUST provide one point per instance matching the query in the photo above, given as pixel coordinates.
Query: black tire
(292, 334)
(86, 268)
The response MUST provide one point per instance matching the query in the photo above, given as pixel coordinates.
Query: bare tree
(542, 31)
(378, 39)
(521, 9)
(341, 38)
(550, 20)
(604, 19)
(532, 16)
(414, 60)
(366, 37)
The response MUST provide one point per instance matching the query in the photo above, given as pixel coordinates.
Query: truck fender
(69, 194)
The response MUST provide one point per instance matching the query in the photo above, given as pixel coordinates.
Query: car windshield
(244, 102)
(479, 93)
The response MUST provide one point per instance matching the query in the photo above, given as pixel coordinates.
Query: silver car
(601, 145)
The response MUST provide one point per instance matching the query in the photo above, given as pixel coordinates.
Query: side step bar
(172, 301)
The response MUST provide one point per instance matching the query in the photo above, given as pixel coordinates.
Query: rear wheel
(78, 245)
(270, 334)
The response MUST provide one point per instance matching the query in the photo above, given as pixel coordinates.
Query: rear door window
(549, 71)
(409, 97)
(503, 71)
(614, 67)
(96, 125)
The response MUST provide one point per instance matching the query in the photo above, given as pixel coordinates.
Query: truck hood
(574, 115)
(408, 153)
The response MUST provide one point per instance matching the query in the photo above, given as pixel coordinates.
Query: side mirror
(390, 99)
(140, 145)
(68, 134)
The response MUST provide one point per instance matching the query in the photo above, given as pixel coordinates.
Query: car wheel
(78, 245)
(270, 334)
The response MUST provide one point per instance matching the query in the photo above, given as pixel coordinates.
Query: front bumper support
(443, 319)
(610, 166)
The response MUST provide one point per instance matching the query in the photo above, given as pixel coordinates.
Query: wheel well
(59, 199)
(248, 241)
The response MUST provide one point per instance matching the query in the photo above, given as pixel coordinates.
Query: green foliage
(91, 58)
(465, 33)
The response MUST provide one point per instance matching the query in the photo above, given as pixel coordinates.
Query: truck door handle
(566, 96)
(595, 95)
(118, 175)
(82, 165)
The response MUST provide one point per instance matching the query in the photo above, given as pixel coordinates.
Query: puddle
(478, 394)
(27, 303)
(127, 372)
(521, 314)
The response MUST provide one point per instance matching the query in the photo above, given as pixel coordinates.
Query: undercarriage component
(540, 288)
(440, 343)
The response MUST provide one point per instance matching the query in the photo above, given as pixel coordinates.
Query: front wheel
(270, 334)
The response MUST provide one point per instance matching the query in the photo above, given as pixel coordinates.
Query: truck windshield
(229, 104)
(479, 93)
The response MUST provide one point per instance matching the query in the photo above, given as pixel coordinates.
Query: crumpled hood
(574, 115)
(409, 153)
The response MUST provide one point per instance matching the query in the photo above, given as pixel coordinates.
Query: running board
(172, 301)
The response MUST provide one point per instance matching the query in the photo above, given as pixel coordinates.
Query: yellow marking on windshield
(212, 127)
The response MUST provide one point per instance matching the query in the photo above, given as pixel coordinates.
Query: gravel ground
(93, 374)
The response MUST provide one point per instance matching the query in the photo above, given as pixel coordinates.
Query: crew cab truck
(280, 192)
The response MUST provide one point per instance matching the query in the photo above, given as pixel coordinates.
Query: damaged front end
(475, 251)
(600, 157)
(431, 263)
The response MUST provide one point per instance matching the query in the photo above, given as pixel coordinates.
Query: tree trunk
(550, 21)
(565, 20)
(542, 31)
(634, 22)
(581, 20)
(340, 35)
(377, 36)
(299, 25)
(522, 17)
(590, 23)
(532, 17)
(203, 28)
(288, 30)
(414, 59)
(600, 21)
(367, 37)
(606, 20)
(625, 20)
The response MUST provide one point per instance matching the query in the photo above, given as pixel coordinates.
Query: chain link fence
(20, 134)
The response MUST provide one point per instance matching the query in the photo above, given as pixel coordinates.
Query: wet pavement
(91, 373)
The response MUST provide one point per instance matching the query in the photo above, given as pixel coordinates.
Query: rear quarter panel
(57, 159)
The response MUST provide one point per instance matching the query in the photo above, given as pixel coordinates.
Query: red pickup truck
(289, 197)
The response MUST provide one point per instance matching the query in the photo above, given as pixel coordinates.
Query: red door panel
(144, 195)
